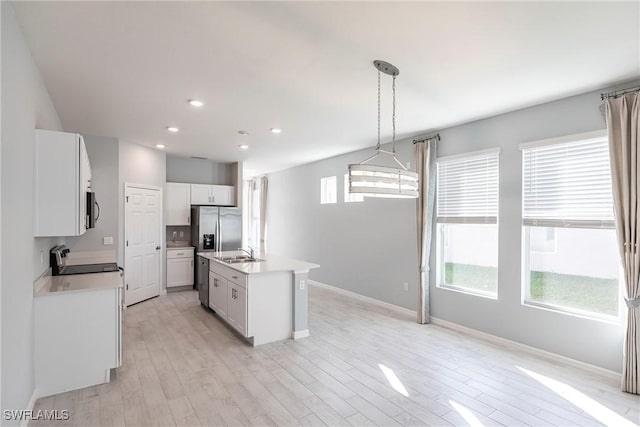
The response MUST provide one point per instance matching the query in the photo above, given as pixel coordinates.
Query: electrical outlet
(181, 234)
(405, 286)
(175, 234)
(107, 241)
(302, 284)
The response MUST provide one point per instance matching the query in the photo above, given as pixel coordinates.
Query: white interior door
(142, 243)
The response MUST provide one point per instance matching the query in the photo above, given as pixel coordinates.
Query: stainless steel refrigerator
(216, 228)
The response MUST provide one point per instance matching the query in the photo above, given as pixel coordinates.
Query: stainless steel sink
(238, 259)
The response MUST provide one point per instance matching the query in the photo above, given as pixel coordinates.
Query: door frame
(128, 185)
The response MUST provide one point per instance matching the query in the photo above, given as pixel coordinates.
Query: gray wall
(198, 171)
(26, 105)
(103, 155)
(370, 247)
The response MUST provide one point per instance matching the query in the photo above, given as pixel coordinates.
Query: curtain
(623, 124)
(263, 212)
(425, 158)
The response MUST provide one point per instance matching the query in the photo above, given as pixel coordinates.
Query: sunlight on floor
(394, 380)
(466, 414)
(581, 400)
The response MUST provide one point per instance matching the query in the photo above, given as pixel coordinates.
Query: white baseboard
(300, 334)
(479, 334)
(526, 348)
(30, 405)
(363, 298)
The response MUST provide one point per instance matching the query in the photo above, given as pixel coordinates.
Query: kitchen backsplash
(178, 229)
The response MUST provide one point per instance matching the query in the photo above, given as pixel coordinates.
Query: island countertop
(270, 263)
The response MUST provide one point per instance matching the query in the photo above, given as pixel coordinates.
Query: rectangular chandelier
(382, 181)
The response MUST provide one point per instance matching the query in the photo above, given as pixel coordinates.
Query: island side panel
(300, 305)
(269, 311)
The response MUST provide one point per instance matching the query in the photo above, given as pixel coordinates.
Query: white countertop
(271, 263)
(179, 244)
(48, 284)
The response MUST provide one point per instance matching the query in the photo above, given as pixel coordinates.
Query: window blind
(568, 185)
(467, 189)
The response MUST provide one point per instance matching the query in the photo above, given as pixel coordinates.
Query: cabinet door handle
(180, 253)
(234, 277)
(188, 218)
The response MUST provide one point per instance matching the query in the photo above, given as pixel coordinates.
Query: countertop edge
(295, 269)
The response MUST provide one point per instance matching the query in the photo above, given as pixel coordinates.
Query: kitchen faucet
(250, 252)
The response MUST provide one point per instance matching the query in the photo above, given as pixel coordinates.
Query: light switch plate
(302, 283)
(107, 240)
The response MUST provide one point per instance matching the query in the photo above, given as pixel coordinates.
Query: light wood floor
(181, 366)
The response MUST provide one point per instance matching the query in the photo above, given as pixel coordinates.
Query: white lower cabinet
(237, 309)
(179, 267)
(218, 294)
(77, 339)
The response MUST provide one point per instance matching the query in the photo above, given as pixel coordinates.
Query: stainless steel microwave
(93, 210)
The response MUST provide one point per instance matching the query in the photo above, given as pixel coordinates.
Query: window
(252, 212)
(467, 223)
(328, 190)
(570, 257)
(350, 197)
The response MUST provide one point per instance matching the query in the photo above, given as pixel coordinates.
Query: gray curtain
(425, 155)
(263, 213)
(623, 124)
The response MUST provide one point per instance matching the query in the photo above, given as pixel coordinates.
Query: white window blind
(567, 184)
(467, 189)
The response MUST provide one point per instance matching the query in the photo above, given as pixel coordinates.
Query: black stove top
(88, 268)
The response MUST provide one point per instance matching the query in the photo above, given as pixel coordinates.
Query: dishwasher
(202, 280)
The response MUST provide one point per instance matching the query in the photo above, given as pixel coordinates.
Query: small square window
(328, 190)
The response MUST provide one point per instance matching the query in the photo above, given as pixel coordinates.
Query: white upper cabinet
(62, 179)
(213, 195)
(177, 203)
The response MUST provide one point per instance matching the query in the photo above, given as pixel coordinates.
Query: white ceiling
(126, 69)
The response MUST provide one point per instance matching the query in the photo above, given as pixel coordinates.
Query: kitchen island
(263, 300)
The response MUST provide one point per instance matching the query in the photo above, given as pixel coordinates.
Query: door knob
(157, 248)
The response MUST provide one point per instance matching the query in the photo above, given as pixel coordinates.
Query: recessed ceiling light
(196, 103)
(172, 129)
(160, 146)
(243, 146)
(243, 132)
(276, 130)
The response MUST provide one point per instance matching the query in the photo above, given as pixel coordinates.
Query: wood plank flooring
(182, 366)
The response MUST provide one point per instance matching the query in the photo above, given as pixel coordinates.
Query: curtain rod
(428, 138)
(618, 93)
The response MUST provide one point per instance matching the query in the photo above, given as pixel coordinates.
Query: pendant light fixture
(375, 180)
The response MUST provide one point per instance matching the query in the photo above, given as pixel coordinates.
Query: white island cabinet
(78, 331)
(263, 301)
